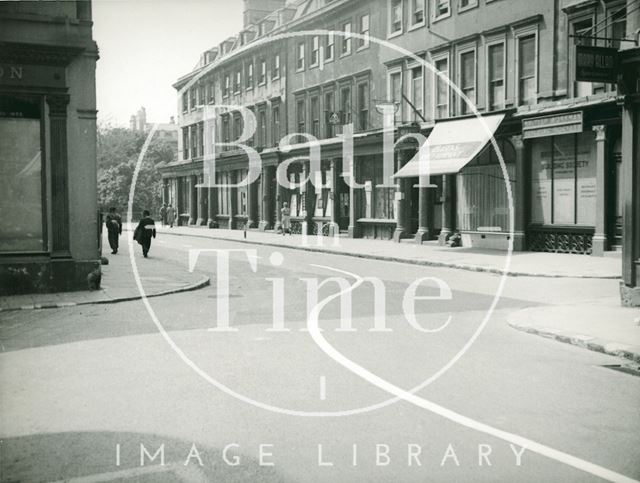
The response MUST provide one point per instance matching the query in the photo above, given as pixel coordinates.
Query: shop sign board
(555, 125)
(596, 64)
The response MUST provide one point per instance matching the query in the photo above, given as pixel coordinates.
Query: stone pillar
(280, 198)
(193, 200)
(334, 229)
(233, 202)
(520, 190)
(353, 224)
(212, 208)
(425, 212)
(252, 205)
(202, 205)
(308, 194)
(448, 207)
(402, 190)
(60, 247)
(600, 234)
(266, 212)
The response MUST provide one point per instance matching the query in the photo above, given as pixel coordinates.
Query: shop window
(21, 183)
(495, 78)
(364, 27)
(563, 172)
(379, 203)
(395, 17)
(242, 192)
(441, 89)
(527, 70)
(467, 80)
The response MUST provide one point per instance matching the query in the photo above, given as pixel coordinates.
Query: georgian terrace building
(515, 61)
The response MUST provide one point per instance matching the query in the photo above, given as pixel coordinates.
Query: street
(91, 393)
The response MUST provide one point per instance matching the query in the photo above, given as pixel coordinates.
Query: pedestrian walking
(113, 221)
(145, 230)
(286, 218)
(163, 214)
(171, 215)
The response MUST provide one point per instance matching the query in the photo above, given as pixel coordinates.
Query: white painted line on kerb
(323, 388)
(533, 446)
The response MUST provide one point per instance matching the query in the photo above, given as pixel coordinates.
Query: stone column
(353, 224)
(448, 207)
(308, 198)
(179, 208)
(233, 202)
(520, 190)
(212, 208)
(600, 234)
(267, 198)
(425, 212)
(403, 157)
(202, 205)
(252, 205)
(60, 247)
(334, 229)
(193, 200)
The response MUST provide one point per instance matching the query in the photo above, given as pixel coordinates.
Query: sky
(146, 45)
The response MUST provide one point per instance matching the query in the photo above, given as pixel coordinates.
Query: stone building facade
(49, 235)
(512, 95)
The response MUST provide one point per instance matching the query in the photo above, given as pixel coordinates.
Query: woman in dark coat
(145, 230)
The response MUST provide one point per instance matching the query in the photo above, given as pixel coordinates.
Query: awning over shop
(451, 145)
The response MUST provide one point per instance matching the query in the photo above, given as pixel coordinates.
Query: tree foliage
(118, 152)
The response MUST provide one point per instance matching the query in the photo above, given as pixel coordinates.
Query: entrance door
(413, 205)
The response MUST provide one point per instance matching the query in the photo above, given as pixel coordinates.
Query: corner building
(515, 62)
(49, 235)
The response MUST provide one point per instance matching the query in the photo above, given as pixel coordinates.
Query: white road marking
(533, 446)
(323, 388)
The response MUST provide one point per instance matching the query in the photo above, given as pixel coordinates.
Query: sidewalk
(531, 264)
(603, 327)
(118, 283)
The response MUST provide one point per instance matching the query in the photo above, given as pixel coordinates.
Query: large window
(275, 73)
(275, 123)
(185, 102)
(363, 106)
(364, 28)
(395, 93)
(249, 78)
(442, 89)
(441, 9)
(563, 173)
(21, 175)
(262, 79)
(467, 80)
(238, 82)
(227, 86)
(223, 180)
(185, 143)
(300, 56)
(345, 104)
(300, 116)
(467, 4)
(582, 30)
(329, 109)
(527, 70)
(395, 17)
(346, 39)
(417, 13)
(315, 116)
(262, 127)
(417, 90)
(315, 51)
(495, 78)
(330, 48)
(376, 201)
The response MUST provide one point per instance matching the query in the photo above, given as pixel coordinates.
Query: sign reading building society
(596, 64)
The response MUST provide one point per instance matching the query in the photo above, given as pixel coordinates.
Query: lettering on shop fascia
(552, 125)
(13, 72)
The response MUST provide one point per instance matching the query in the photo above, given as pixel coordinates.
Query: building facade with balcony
(513, 94)
(49, 236)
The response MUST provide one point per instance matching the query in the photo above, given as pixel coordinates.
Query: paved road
(83, 388)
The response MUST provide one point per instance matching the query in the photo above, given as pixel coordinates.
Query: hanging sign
(596, 64)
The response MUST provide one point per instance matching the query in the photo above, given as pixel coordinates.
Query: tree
(118, 152)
